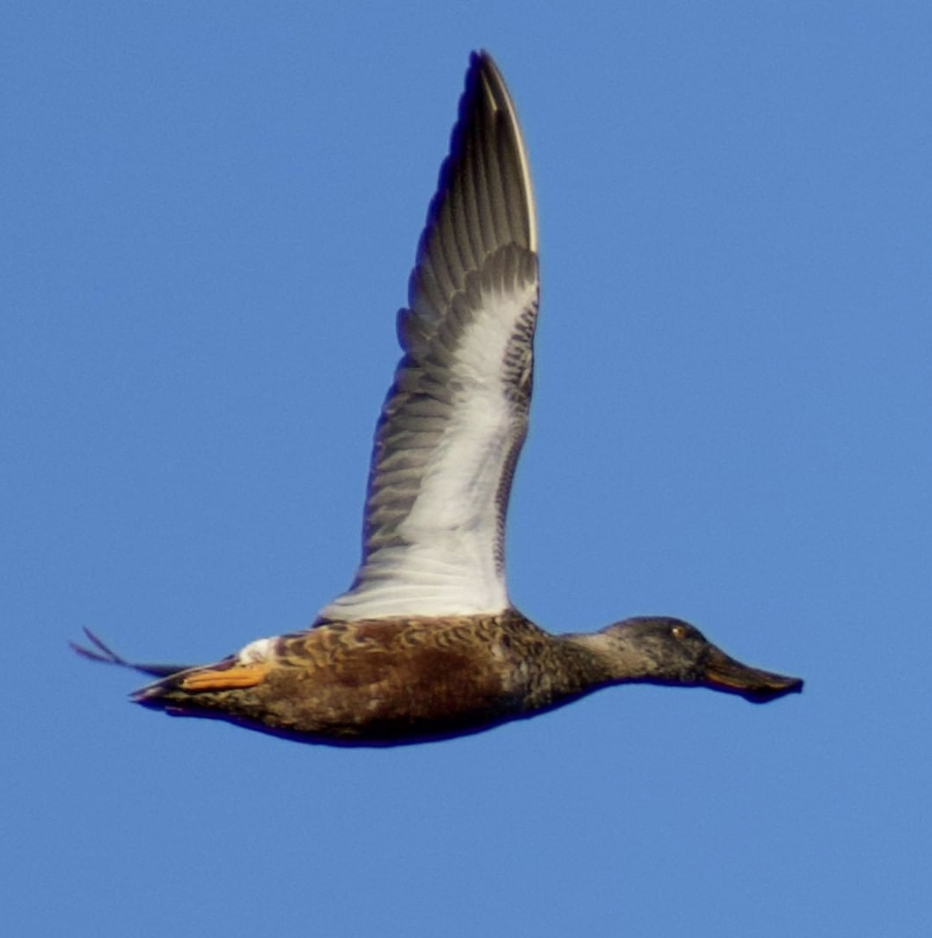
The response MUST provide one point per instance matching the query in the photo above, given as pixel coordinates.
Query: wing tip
(483, 73)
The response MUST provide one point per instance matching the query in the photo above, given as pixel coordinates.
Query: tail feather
(106, 655)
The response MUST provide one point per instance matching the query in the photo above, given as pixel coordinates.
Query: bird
(425, 644)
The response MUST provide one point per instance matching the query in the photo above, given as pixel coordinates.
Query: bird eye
(678, 631)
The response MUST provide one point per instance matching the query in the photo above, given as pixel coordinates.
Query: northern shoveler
(425, 644)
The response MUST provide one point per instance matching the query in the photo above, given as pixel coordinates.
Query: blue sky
(209, 215)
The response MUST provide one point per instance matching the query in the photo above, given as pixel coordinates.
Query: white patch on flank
(259, 650)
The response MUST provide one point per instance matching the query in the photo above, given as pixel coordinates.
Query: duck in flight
(425, 644)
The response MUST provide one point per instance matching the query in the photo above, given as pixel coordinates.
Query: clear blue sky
(209, 213)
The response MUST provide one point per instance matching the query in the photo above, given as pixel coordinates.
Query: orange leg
(247, 675)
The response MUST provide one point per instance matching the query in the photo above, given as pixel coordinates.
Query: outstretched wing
(455, 419)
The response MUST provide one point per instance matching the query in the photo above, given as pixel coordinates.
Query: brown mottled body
(387, 681)
(384, 682)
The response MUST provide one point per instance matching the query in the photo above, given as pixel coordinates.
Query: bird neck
(574, 665)
(608, 658)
